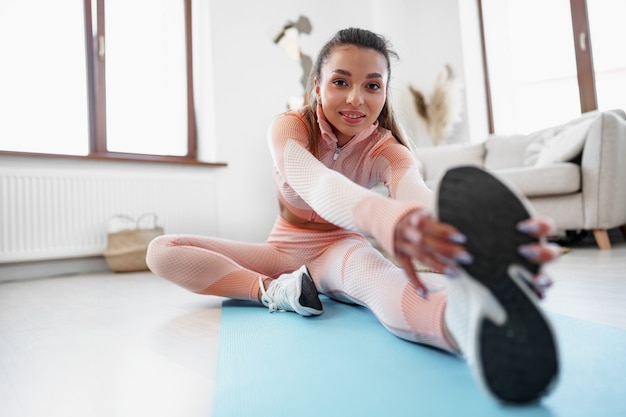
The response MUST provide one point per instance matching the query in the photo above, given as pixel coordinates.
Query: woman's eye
(373, 86)
(340, 82)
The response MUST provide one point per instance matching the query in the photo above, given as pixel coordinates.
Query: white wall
(245, 80)
(253, 80)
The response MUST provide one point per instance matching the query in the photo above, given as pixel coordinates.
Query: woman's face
(352, 89)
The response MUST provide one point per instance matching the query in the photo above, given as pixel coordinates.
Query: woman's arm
(335, 197)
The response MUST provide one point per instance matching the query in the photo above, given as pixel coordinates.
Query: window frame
(95, 41)
(584, 59)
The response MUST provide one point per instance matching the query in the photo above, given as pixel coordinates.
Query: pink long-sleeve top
(336, 188)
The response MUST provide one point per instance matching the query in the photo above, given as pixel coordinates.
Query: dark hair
(361, 38)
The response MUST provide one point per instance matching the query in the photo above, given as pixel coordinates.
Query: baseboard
(51, 268)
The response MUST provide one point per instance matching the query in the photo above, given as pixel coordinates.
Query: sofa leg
(602, 238)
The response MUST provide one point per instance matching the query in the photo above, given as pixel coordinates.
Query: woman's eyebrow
(349, 74)
(343, 72)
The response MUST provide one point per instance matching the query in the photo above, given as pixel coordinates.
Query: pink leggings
(344, 265)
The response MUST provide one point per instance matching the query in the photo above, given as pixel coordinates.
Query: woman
(326, 157)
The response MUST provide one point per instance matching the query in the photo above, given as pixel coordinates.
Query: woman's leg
(216, 266)
(353, 270)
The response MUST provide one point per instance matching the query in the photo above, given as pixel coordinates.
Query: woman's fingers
(537, 226)
(440, 246)
(408, 250)
(538, 283)
(407, 265)
(541, 228)
(436, 244)
(540, 252)
(541, 283)
(445, 243)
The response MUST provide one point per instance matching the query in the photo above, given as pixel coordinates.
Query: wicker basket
(126, 248)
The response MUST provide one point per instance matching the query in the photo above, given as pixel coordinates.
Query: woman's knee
(157, 253)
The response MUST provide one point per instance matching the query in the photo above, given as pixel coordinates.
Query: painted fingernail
(458, 238)
(422, 292)
(528, 227)
(529, 252)
(463, 258)
(543, 281)
(451, 272)
(555, 248)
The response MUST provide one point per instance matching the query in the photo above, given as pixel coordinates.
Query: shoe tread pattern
(518, 359)
(309, 297)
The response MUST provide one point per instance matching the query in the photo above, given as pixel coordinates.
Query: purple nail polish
(528, 227)
(458, 238)
(451, 272)
(463, 258)
(543, 281)
(528, 251)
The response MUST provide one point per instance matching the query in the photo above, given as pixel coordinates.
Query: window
(43, 82)
(607, 30)
(105, 79)
(146, 92)
(538, 55)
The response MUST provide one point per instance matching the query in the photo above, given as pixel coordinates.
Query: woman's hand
(438, 245)
(541, 252)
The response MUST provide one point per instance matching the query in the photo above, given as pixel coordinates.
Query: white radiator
(52, 214)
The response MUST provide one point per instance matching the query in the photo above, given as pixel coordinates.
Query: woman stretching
(327, 156)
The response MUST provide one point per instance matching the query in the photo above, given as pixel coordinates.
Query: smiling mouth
(352, 116)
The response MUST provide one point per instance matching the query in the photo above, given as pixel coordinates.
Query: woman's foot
(292, 292)
(492, 310)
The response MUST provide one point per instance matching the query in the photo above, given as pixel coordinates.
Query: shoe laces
(278, 292)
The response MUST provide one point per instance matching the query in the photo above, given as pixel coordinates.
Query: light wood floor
(135, 345)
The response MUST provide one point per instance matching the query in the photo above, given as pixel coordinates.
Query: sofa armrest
(604, 172)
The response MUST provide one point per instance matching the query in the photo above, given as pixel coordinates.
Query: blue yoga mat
(344, 363)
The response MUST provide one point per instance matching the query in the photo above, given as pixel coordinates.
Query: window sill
(160, 159)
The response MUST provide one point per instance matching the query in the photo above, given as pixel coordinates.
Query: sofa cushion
(565, 145)
(544, 180)
(536, 143)
(506, 151)
(560, 143)
(438, 159)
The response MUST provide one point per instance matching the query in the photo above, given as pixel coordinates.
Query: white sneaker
(492, 311)
(292, 292)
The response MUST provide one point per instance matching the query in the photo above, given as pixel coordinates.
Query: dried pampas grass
(443, 108)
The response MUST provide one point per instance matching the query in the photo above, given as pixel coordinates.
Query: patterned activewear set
(334, 188)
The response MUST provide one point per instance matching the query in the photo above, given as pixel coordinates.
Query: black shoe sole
(309, 297)
(518, 360)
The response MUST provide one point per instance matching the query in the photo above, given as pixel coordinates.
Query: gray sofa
(574, 173)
